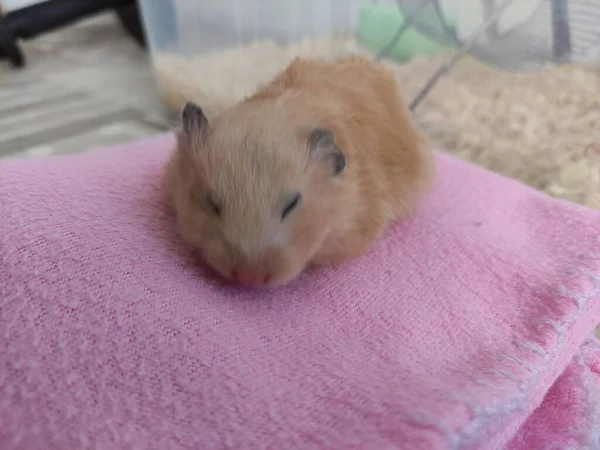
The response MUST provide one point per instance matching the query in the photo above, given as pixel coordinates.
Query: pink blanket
(466, 327)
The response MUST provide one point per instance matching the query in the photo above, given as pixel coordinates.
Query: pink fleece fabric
(569, 416)
(465, 327)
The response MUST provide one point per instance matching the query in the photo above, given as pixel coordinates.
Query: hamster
(308, 170)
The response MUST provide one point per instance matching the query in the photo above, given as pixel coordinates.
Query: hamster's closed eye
(291, 205)
(213, 204)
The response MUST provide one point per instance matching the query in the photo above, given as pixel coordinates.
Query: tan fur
(256, 152)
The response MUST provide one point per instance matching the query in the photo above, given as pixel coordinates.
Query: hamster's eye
(212, 204)
(291, 205)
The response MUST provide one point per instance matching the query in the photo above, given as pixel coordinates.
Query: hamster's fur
(310, 169)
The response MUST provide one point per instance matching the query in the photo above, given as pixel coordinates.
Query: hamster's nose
(248, 276)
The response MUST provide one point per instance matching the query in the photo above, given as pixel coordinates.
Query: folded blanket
(465, 327)
(569, 416)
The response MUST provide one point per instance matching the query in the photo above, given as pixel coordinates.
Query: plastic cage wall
(217, 52)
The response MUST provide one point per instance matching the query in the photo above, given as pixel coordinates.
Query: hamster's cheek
(285, 277)
(308, 242)
(215, 255)
(289, 266)
(196, 229)
(187, 227)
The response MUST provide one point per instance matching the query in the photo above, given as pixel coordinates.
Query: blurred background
(513, 86)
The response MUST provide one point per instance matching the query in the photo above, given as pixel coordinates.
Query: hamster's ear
(193, 118)
(322, 145)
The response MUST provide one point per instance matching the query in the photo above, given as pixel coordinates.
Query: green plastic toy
(377, 25)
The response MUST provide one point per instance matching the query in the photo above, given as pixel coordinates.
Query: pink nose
(248, 276)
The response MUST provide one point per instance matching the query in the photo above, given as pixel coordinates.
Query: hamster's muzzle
(249, 276)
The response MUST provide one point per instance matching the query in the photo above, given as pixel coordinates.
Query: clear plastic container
(218, 52)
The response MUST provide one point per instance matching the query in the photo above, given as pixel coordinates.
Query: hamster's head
(257, 191)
